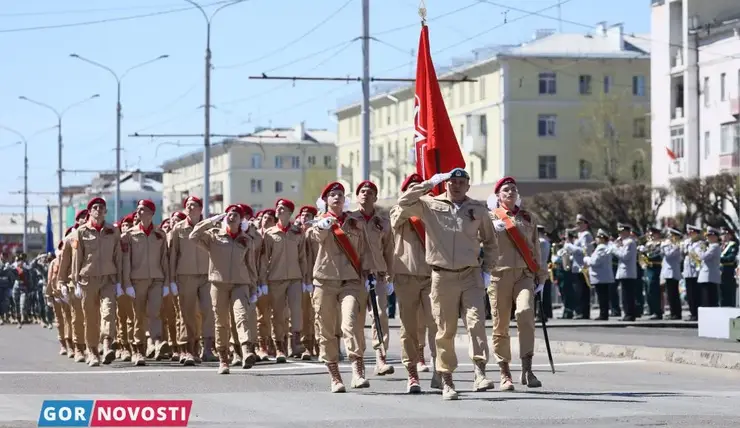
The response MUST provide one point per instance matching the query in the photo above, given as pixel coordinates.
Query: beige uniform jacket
(230, 257)
(283, 254)
(331, 261)
(96, 253)
(454, 234)
(409, 251)
(52, 287)
(312, 249)
(380, 243)
(186, 256)
(145, 256)
(507, 256)
(256, 236)
(65, 260)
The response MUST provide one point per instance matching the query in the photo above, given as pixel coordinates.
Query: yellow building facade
(564, 111)
(292, 163)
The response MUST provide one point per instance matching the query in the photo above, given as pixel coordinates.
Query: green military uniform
(728, 260)
(652, 276)
(641, 284)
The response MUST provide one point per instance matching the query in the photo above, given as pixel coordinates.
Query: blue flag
(49, 231)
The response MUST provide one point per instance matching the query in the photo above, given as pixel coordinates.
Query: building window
(548, 83)
(677, 141)
(295, 162)
(278, 162)
(607, 84)
(638, 86)
(728, 137)
(312, 160)
(584, 84)
(327, 161)
(638, 169)
(257, 160)
(639, 127)
(278, 187)
(705, 92)
(548, 167)
(256, 185)
(546, 125)
(722, 86)
(483, 125)
(706, 145)
(584, 169)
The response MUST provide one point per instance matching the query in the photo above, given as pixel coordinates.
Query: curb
(592, 324)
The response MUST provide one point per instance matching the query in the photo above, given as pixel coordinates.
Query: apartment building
(559, 112)
(695, 70)
(257, 169)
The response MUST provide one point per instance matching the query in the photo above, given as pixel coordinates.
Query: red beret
(413, 178)
(82, 214)
(248, 211)
(235, 207)
(505, 180)
(165, 221)
(366, 183)
(269, 211)
(94, 201)
(259, 213)
(195, 199)
(179, 215)
(308, 209)
(146, 203)
(286, 203)
(128, 219)
(334, 185)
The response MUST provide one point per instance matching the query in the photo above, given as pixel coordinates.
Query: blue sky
(247, 39)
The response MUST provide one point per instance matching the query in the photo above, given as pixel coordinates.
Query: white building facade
(695, 91)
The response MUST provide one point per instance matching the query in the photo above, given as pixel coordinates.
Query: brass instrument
(695, 257)
(551, 269)
(585, 272)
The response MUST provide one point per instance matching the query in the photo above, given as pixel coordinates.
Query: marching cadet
(62, 317)
(189, 275)
(710, 273)
(625, 250)
(306, 214)
(456, 226)
(600, 272)
(266, 347)
(170, 312)
(728, 259)
(96, 276)
(413, 278)
(545, 246)
(125, 310)
(67, 288)
(670, 271)
(380, 239)
(654, 261)
(517, 273)
(233, 282)
(691, 265)
(283, 263)
(146, 278)
(338, 274)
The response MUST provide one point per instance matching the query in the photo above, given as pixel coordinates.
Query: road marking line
(261, 369)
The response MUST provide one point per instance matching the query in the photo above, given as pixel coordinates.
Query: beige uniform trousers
(168, 315)
(413, 297)
(381, 291)
(147, 307)
(125, 318)
(234, 298)
(427, 329)
(99, 308)
(285, 296)
(195, 309)
(78, 317)
(506, 287)
(264, 315)
(455, 292)
(308, 331)
(62, 320)
(345, 301)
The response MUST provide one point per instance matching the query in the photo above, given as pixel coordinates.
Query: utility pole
(25, 196)
(365, 89)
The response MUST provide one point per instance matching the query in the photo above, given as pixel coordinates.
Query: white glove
(173, 289)
(263, 290)
(439, 178)
(50, 302)
(245, 224)
(307, 288)
(253, 298)
(367, 285)
(130, 291)
(119, 290)
(486, 279)
(78, 291)
(587, 260)
(641, 248)
(562, 252)
(389, 288)
(65, 292)
(538, 288)
(217, 217)
(57, 299)
(499, 225)
(325, 223)
(165, 291)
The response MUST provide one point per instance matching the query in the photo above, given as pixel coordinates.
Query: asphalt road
(590, 392)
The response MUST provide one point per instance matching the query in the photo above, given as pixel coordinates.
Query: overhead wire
(291, 43)
(432, 19)
(86, 11)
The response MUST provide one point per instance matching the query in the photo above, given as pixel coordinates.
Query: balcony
(345, 173)
(729, 162)
(475, 144)
(735, 107)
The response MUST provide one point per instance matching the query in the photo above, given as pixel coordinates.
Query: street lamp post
(207, 126)
(118, 115)
(60, 115)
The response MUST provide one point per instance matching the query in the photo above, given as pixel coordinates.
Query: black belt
(438, 269)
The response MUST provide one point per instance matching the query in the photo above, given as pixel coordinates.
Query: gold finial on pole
(423, 12)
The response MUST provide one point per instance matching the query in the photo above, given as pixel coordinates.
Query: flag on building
(671, 153)
(49, 231)
(437, 149)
